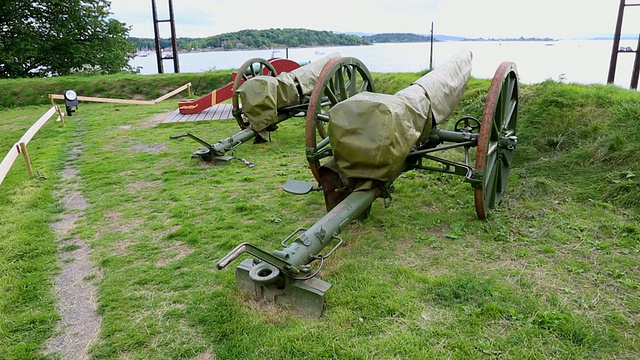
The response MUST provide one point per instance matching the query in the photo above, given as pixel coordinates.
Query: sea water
(570, 61)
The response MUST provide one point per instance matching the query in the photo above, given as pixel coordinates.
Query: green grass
(552, 274)
(28, 256)
(26, 92)
(23, 92)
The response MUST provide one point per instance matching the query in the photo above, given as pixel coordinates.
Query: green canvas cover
(306, 76)
(262, 96)
(445, 84)
(258, 96)
(372, 134)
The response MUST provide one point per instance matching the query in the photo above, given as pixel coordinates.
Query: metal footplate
(296, 187)
(303, 297)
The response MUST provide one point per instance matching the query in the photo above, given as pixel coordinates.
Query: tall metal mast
(174, 44)
(616, 49)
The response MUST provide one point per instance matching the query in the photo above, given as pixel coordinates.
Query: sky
(558, 19)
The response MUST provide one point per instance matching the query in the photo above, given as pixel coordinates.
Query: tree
(51, 37)
(258, 39)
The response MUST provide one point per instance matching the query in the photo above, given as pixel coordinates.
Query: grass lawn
(554, 273)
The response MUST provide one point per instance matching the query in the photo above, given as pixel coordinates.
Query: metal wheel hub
(509, 142)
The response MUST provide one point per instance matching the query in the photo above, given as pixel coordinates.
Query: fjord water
(571, 61)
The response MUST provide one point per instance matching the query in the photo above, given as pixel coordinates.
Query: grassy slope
(554, 273)
(21, 92)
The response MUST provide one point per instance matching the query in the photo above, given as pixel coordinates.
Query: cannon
(372, 139)
(264, 99)
(249, 69)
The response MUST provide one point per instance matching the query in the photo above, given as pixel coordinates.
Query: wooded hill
(279, 38)
(258, 39)
(398, 38)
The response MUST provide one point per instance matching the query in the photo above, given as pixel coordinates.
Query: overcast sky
(559, 19)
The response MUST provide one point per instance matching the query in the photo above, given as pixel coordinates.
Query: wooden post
(25, 153)
(61, 115)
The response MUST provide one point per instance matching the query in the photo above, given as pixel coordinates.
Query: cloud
(469, 18)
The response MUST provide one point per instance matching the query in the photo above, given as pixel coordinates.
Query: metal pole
(156, 32)
(636, 67)
(616, 44)
(174, 43)
(431, 51)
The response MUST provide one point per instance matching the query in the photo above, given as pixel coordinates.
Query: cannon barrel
(284, 275)
(374, 139)
(266, 101)
(307, 246)
(263, 96)
(372, 134)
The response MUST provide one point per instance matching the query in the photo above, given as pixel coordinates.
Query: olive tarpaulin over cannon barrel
(371, 134)
(262, 96)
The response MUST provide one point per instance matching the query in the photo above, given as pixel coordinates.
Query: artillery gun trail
(358, 146)
(262, 99)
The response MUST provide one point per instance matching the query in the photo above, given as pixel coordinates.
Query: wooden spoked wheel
(497, 138)
(251, 68)
(340, 78)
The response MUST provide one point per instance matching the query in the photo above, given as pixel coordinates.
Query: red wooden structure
(226, 92)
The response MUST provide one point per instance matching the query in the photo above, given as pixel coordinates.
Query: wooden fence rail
(20, 147)
(8, 161)
(184, 87)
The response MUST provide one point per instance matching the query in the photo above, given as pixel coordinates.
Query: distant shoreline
(280, 48)
(294, 38)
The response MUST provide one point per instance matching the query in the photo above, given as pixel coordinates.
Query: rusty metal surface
(498, 121)
(332, 186)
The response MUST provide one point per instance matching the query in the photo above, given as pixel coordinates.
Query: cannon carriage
(262, 99)
(412, 117)
(359, 146)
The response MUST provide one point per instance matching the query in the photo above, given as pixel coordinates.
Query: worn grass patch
(553, 274)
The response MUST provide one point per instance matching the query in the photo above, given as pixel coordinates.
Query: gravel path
(79, 326)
